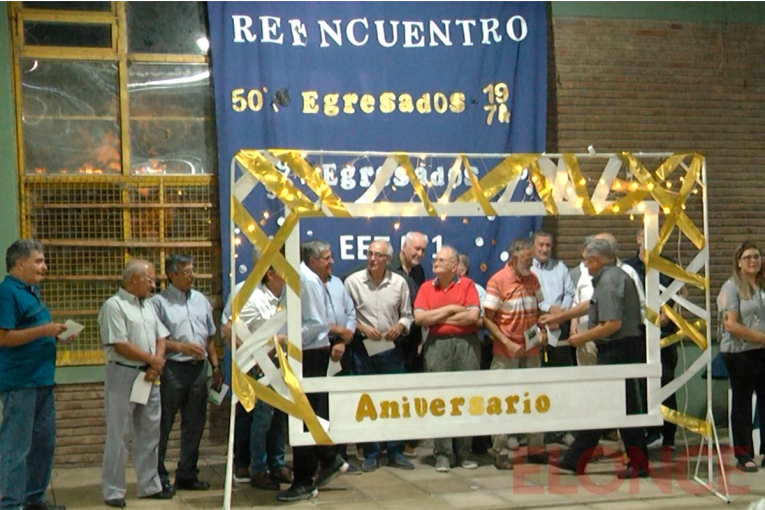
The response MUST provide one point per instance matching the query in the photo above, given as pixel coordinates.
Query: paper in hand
(377, 346)
(553, 336)
(72, 328)
(333, 368)
(216, 396)
(532, 336)
(141, 389)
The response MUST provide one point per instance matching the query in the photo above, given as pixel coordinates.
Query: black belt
(188, 362)
(142, 368)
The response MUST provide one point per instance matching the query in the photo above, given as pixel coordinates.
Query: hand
(282, 339)
(663, 319)
(543, 336)
(151, 375)
(548, 319)
(518, 351)
(575, 340)
(394, 332)
(226, 330)
(336, 354)
(555, 310)
(157, 364)
(193, 350)
(54, 329)
(370, 332)
(68, 340)
(217, 376)
(574, 329)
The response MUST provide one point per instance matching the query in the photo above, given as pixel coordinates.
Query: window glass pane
(70, 6)
(70, 117)
(172, 128)
(167, 27)
(44, 33)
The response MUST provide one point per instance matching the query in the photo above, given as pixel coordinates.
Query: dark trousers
(615, 352)
(242, 427)
(306, 459)
(668, 366)
(747, 376)
(184, 388)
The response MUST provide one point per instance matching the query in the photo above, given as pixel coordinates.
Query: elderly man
(384, 314)
(27, 366)
(187, 314)
(448, 305)
(511, 310)
(134, 339)
(615, 328)
(323, 339)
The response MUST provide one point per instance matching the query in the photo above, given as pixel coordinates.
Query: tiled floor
(527, 486)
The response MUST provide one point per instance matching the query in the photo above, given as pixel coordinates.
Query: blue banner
(420, 77)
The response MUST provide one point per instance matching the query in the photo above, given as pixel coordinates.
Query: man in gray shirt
(615, 327)
(187, 314)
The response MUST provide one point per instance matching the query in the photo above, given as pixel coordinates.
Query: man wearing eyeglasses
(448, 305)
(384, 314)
(134, 339)
(187, 314)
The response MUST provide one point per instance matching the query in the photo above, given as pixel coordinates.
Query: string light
(265, 214)
(632, 217)
(650, 186)
(669, 184)
(251, 228)
(666, 210)
(396, 225)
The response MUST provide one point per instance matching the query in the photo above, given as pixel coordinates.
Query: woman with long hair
(742, 305)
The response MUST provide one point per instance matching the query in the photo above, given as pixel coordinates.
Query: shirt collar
(455, 281)
(178, 293)
(34, 289)
(127, 296)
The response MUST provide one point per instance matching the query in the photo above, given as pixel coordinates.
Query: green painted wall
(712, 12)
(9, 182)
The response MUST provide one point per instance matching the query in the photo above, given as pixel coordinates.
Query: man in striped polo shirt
(511, 310)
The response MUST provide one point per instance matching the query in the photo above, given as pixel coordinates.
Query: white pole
(707, 295)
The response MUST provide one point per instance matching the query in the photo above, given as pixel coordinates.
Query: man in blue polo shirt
(27, 365)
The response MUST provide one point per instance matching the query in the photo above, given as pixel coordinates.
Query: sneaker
(242, 475)
(653, 441)
(370, 465)
(328, 474)
(400, 462)
(442, 465)
(469, 464)
(352, 470)
(410, 451)
(297, 493)
(512, 443)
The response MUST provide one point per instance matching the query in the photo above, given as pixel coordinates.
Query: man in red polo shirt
(449, 306)
(511, 312)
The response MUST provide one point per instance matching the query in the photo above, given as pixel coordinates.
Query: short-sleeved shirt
(188, 317)
(751, 314)
(125, 318)
(461, 291)
(33, 364)
(615, 297)
(381, 306)
(515, 300)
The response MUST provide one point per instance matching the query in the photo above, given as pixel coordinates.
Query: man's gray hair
(175, 261)
(388, 247)
(519, 245)
(313, 249)
(542, 233)
(21, 249)
(409, 237)
(609, 238)
(465, 261)
(135, 266)
(601, 248)
(455, 254)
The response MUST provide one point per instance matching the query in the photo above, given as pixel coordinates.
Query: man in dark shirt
(615, 327)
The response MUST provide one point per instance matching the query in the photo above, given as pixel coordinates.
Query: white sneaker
(442, 465)
(512, 443)
(469, 464)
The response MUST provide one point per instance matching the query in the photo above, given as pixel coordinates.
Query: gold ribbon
(671, 269)
(281, 186)
(652, 316)
(243, 386)
(305, 411)
(544, 188)
(500, 176)
(685, 326)
(260, 240)
(699, 325)
(691, 423)
(580, 184)
(312, 177)
(403, 160)
(488, 209)
(677, 209)
(624, 204)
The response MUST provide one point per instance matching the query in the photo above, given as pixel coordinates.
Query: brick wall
(634, 85)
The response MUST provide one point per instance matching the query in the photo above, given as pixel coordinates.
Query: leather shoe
(192, 485)
(282, 475)
(558, 463)
(116, 502)
(165, 493)
(261, 480)
(632, 472)
(538, 458)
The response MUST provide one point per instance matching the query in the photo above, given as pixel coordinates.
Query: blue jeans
(388, 362)
(27, 441)
(269, 428)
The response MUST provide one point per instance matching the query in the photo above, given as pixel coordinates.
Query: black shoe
(328, 474)
(632, 472)
(538, 458)
(42, 505)
(261, 480)
(297, 493)
(165, 493)
(168, 487)
(116, 503)
(558, 463)
(192, 485)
